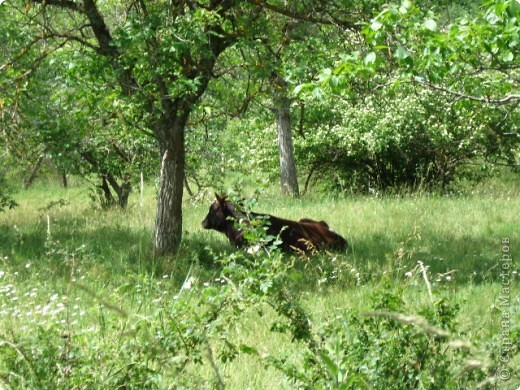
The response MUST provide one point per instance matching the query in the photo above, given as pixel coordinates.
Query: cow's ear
(220, 198)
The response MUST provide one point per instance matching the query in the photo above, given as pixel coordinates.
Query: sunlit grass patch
(84, 301)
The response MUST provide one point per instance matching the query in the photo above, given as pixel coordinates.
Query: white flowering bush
(406, 137)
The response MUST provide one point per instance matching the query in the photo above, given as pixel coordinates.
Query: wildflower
(59, 309)
(409, 274)
(253, 250)
(46, 310)
(189, 283)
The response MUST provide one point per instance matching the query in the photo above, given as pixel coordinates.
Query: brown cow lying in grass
(303, 235)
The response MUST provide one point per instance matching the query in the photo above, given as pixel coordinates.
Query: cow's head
(217, 215)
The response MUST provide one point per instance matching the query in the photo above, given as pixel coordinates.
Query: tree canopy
(364, 96)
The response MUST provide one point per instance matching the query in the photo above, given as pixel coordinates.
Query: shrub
(386, 349)
(408, 138)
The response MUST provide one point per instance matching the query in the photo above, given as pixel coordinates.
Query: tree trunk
(122, 191)
(168, 222)
(64, 180)
(124, 194)
(282, 110)
(34, 171)
(108, 200)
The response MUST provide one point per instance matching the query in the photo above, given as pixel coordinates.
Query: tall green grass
(83, 282)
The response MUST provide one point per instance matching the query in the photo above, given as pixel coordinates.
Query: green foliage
(384, 349)
(415, 140)
(409, 95)
(475, 56)
(5, 200)
(84, 303)
(52, 116)
(423, 100)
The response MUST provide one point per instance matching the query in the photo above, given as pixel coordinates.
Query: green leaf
(332, 367)
(492, 18)
(507, 56)
(248, 350)
(266, 285)
(376, 25)
(401, 53)
(318, 93)
(370, 58)
(302, 87)
(430, 24)
(405, 6)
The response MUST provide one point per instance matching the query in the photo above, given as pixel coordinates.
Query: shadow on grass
(107, 252)
(114, 251)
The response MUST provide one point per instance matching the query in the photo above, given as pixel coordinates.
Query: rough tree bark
(168, 222)
(282, 111)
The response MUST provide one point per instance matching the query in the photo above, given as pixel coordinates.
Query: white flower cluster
(24, 309)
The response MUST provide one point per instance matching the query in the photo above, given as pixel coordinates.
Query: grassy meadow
(84, 303)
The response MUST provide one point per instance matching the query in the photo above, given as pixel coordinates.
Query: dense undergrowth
(418, 301)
